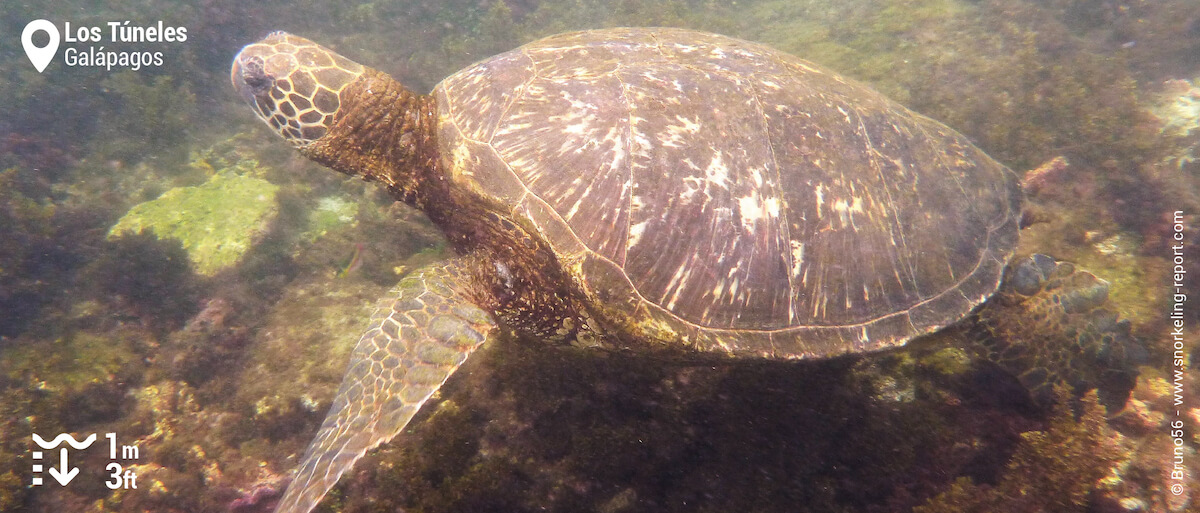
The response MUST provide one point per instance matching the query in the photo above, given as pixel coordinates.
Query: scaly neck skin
(385, 133)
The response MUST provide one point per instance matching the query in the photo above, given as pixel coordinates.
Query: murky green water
(213, 340)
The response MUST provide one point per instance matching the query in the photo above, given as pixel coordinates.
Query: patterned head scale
(293, 84)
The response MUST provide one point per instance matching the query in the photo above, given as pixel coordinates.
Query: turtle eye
(254, 76)
(252, 82)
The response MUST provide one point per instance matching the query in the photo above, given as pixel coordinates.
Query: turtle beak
(249, 78)
(239, 83)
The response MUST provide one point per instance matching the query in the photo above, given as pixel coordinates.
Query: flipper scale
(422, 331)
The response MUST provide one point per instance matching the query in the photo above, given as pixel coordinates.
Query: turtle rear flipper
(1047, 325)
(422, 331)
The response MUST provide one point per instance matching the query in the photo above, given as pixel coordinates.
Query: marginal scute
(500, 81)
(731, 196)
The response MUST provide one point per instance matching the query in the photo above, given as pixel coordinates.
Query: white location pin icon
(40, 57)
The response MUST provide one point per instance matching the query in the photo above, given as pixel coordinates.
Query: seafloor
(172, 273)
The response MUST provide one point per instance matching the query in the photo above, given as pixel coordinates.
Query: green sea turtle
(669, 191)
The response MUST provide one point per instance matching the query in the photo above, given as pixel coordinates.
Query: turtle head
(294, 85)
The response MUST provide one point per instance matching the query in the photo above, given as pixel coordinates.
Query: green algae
(68, 363)
(217, 221)
(1090, 238)
(883, 46)
(948, 361)
(331, 212)
(290, 374)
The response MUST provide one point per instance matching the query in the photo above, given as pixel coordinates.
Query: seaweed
(25, 224)
(1052, 470)
(43, 244)
(154, 116)
(147, 277)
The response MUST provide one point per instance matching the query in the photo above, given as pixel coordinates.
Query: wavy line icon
(77, 445)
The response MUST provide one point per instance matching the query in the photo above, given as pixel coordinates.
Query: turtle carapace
(655, 189)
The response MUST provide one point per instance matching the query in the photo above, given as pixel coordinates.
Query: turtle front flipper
(422, 331)
(1047, 325)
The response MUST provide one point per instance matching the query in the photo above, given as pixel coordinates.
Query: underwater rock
(217, 221)
(1178, 108)
(141, 275)
(300, 354)
(331, 212)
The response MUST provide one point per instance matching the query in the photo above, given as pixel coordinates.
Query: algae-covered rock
(216, 221)
(330, 213)
(293, 369)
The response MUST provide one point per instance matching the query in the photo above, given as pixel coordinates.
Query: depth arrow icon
(63, 476)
